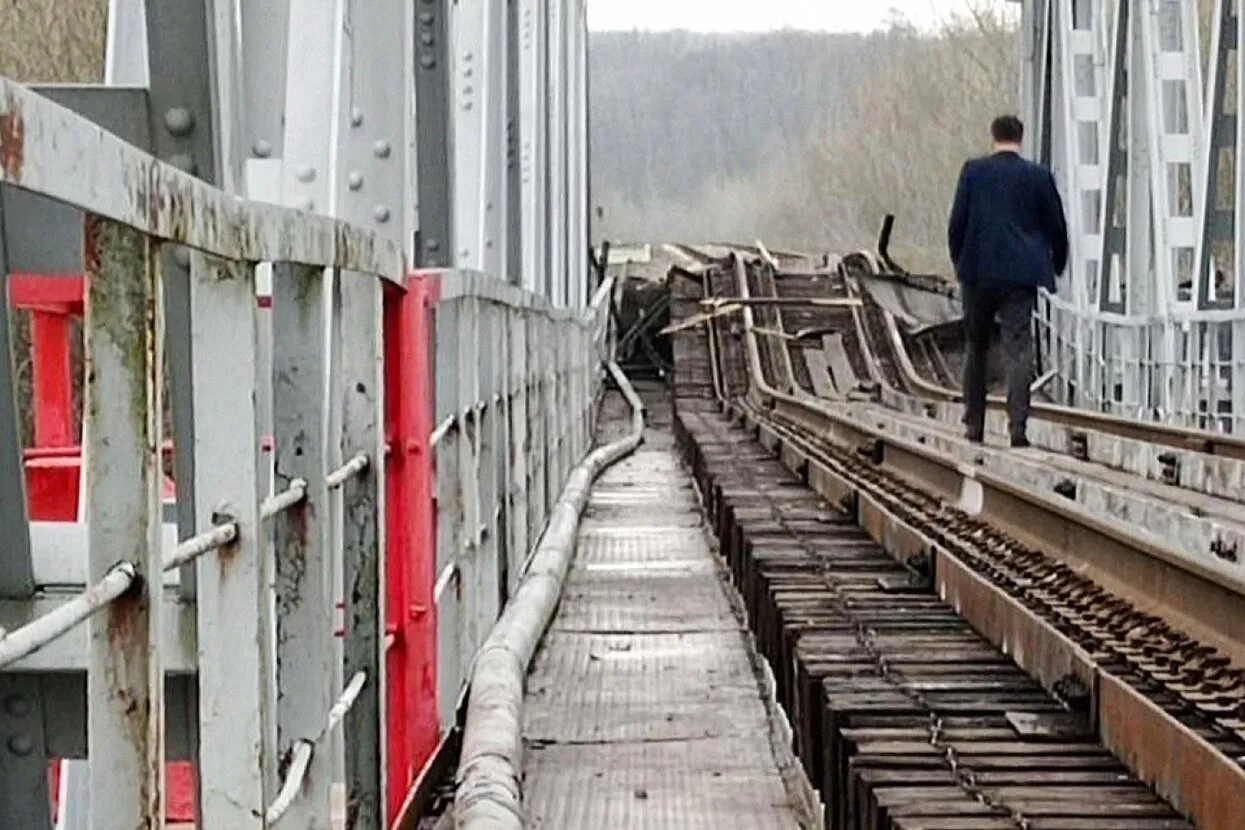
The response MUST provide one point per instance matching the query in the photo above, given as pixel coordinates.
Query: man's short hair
(1007, 129)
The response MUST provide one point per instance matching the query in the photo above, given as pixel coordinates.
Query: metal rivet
(17, 706)
(21, 745)
(426, 18)
(381, 213)
(184, 163)
(426, 38)
(262, 149)
(356, 117)
(433, 245)
(179, 121)
(306, 174)
(467, 56)
(381, 149)
(469, 72)
(468, 106)
(355, 180)
(427, 62)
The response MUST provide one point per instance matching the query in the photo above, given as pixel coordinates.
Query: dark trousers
(1013, 305)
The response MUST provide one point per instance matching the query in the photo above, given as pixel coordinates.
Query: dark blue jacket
(1007, 224)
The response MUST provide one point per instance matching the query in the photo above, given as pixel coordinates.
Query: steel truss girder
(1149, 322)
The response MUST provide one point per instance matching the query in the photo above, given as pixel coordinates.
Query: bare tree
(53, 41)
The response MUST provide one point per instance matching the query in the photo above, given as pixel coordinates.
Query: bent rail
(490, 767)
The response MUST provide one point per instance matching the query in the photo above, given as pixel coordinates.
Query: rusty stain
(12, 141)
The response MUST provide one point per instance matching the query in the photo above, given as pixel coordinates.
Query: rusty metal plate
(1183, 767)
(1034, 644)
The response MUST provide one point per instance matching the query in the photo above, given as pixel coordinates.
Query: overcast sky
(751, 15)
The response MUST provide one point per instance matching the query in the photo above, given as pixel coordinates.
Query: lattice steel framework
(1135, 107)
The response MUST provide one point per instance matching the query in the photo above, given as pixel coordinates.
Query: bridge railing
(324, 273)
(1175, 368)
(515, 397)
(375, 376)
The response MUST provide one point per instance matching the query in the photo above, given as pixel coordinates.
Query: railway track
(904, 713)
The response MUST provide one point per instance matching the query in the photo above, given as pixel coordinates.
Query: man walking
(1008, 237)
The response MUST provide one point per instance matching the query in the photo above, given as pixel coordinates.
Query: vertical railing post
(449, 501)
(469, 555)
(125, 679)
(304, 626)
(412, 724)
(357, 327)
(548, 432)
(517, 485)
(488, 546)
(236, 761)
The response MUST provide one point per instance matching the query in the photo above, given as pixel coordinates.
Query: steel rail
(822, 443)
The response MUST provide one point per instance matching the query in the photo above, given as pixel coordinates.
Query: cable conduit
(489, 793)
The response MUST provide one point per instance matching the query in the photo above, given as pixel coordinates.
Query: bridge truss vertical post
(557, 123)
(480, 102)
(534, 146)
(124, 336)
(433, 156)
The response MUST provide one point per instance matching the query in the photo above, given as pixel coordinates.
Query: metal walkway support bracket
(490, 768)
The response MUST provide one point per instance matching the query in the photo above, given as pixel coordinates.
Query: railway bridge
(339, 491)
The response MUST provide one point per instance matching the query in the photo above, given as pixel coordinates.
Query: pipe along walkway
(645, 703)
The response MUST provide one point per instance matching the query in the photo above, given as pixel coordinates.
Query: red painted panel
(412, 728)
(61, 292)
(51, 379)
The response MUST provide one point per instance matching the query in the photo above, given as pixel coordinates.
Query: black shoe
(1020, 442)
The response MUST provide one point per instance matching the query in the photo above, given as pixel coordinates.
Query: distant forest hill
(671, 111)
(805, 140)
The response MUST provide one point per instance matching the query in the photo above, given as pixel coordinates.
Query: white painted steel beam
(73, 161)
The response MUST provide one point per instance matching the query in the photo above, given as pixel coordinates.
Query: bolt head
(427, 62)
(380, 213)
(184, 162)
(21, 745)
(426, 38)
(179, 121)
(17, 706)
(306, 174)
(356, 117)
(262, 149)
(381, 149)
(355, 180)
